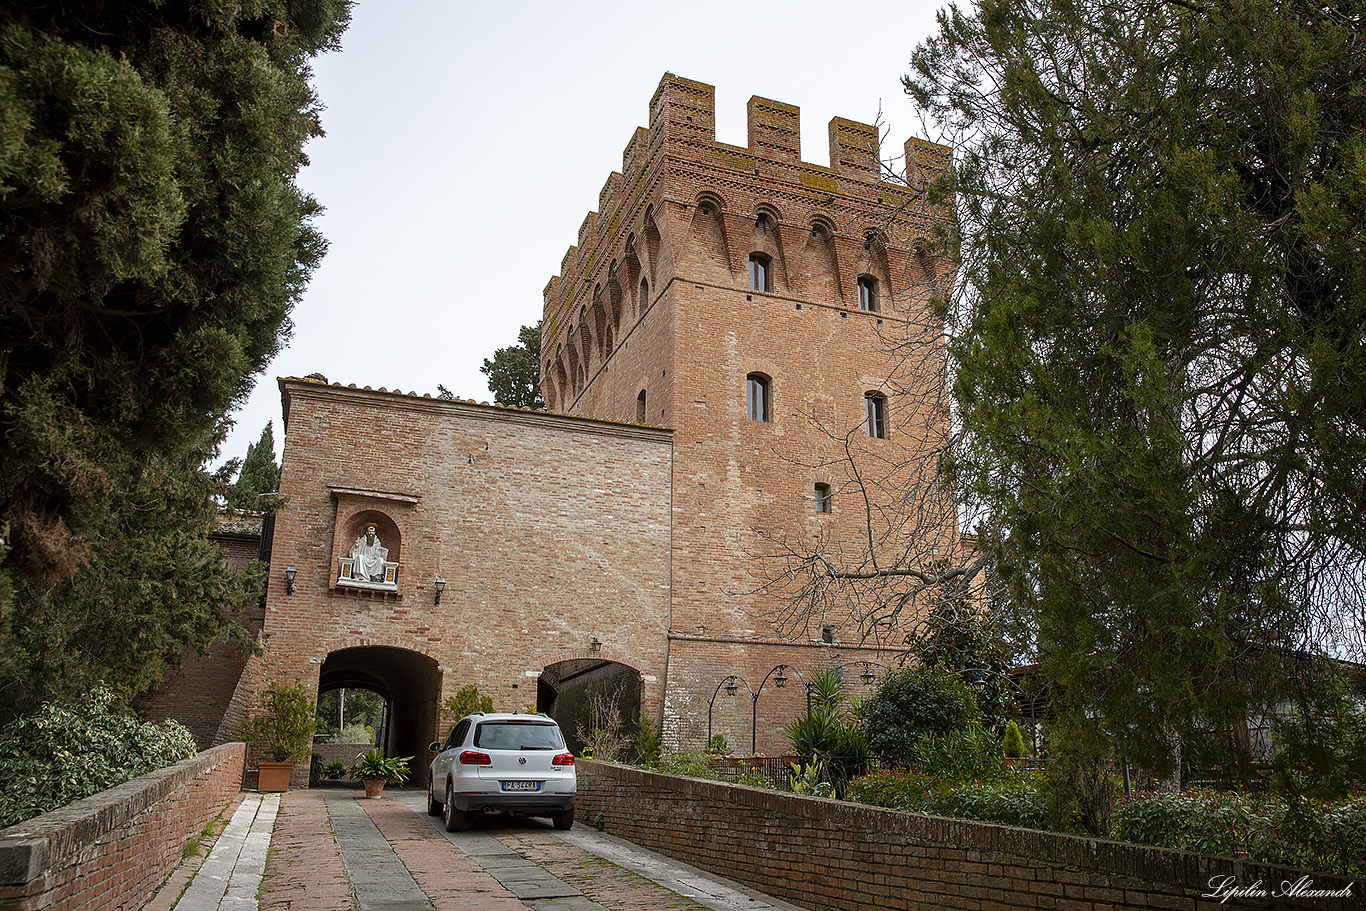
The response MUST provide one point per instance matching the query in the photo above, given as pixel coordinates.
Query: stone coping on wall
(41, 847)
(828, 854)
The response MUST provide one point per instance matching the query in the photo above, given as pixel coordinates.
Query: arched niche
(358, 511)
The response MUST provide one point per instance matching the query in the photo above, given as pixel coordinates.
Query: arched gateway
(409, 683)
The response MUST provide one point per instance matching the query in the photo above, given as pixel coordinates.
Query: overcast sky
(466, 143)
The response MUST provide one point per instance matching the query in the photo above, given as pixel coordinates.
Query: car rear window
(518, 735)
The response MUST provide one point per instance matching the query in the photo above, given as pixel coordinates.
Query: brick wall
(110, 850)
(828, 855)
(550, 532)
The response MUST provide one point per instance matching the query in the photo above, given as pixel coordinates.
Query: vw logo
(521, 760)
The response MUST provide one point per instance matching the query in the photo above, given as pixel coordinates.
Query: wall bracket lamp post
(440, 587)
(290, 574)
(780, 681)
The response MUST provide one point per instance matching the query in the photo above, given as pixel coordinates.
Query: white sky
(466, 143)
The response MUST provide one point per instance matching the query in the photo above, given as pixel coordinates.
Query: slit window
(875, 404)
(822, 498)
(757, 398)
(640, 407)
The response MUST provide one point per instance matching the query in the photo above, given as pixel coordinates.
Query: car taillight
(563, 759)
(474, 757)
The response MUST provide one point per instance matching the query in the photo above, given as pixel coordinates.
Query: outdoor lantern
(730, 686)
(867, 676)
(290, 573)
(595, 646)
(780, 681)
(440, 586)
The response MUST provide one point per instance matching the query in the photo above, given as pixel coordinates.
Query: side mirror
(434, 747)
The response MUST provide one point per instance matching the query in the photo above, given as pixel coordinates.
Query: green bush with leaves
(1011, 800)
(375, 766)
(646, 741)
(62, 753)
(962, 755)
(284, 722)
(913, 702)
(1012, 743)
(1327, 837)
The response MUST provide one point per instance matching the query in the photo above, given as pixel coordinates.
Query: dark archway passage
(583, 693)
(410, 684)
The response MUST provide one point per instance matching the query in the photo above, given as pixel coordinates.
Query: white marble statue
(369, 555)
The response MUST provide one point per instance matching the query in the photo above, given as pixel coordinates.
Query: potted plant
(376, 770)
(282, 728)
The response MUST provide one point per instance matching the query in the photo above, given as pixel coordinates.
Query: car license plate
(521, 786)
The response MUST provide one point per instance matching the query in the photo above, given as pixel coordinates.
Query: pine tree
(259, 475)
(1159, 355)
(514, 372)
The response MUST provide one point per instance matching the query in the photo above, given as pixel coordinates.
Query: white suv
(497, 762)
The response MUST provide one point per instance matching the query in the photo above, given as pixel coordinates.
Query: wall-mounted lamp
(290, 574)
(595, 646)
(780, 681)
(867, 676)
(440, 586)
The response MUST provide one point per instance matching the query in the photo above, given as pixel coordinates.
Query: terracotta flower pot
(374, 788)
(273, 776)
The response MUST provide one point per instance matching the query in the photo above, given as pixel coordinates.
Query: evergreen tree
(152, 239)
(152, 244)
(153, 585)
(259, 475)
(1160, 360)
(515, 372)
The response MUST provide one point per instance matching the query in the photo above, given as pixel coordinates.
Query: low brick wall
(828, 855)
(110, 850)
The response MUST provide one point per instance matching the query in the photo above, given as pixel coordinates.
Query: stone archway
(410, 684)
(585, 692)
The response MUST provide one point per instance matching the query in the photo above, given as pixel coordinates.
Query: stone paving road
(333, 852)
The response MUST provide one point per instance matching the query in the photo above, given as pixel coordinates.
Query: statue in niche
(369, 555)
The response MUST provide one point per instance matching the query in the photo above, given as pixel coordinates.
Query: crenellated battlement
(669, 168)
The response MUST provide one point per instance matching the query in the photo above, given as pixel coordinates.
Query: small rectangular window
(876, 406)
(823, 498)
(756, 398)
(867, 294)
(758, 273)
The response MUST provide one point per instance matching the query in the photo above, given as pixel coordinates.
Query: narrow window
(876, 405)
(867, 294)
(757, 397)
(823, 498)
(640, 407)
(828, 635)
(644, 296)
(760, 278)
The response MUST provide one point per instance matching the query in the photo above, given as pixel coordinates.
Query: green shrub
(375, 766)
(1012, 800)
(689, 765)
(1012, 743)
(284, 722)
(968, 754)
(1320, 836)
(62, 753)
(466, 701)
(646, 741)
(913, 702)
(334, 770)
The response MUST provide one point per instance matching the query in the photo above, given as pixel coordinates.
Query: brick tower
(760, 306)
